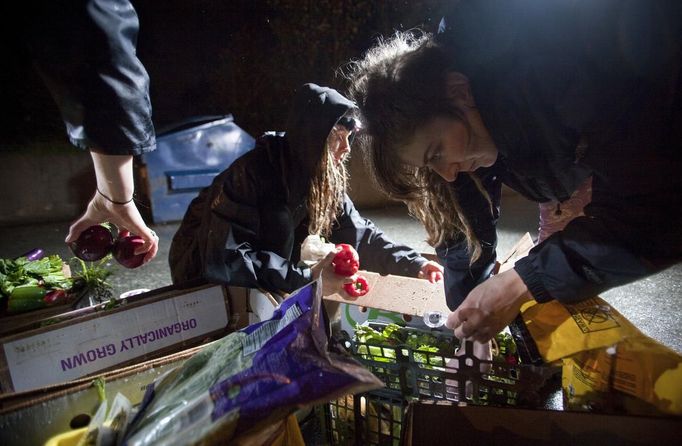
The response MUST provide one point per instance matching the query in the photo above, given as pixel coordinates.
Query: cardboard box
(489, 425)
(62, 407)
(96, 339)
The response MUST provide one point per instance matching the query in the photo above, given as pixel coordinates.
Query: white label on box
(351, 316)
(83, 348)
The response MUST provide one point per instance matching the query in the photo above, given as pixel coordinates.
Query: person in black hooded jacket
(552, 99)
(246, 229)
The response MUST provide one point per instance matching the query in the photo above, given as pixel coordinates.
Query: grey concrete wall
(40, 187)
(362, 190)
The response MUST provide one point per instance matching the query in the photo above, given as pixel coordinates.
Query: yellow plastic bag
(562, 330)
(602, 352)
(69, 438)
(285, 432)
(606, 360)
(645, 375)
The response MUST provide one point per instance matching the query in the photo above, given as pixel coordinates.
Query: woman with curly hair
(575, 105)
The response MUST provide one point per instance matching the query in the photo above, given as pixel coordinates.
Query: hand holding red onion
(93, 244)
(124, 251)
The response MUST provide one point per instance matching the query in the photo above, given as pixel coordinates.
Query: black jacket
(546, 76)
(85, 52)
(247, 227)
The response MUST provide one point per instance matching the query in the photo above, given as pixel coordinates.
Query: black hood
(313, 113)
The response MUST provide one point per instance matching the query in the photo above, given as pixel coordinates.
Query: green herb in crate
(394, 335)
(366, 335)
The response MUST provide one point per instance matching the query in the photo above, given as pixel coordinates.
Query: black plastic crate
(376, 417)
(513, 379)
(371, 418)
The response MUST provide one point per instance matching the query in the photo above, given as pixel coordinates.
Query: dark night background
(208, 57)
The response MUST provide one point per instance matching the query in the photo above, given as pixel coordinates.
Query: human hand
(325, 263)
(489, 307)
(331, 282)
(125, 216)
(431, 271)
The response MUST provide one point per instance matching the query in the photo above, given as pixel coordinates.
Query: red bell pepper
(358, 287)
(55, 297)
(346, 262)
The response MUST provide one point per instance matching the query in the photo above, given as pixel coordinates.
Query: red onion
(93, 244)
(124, 251)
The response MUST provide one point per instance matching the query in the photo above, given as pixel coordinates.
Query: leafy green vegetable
(426, 347)
(28, 284)
(93, 276)
(46, 272)
(409, 349)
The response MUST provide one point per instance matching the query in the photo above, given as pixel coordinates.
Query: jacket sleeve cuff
(526, 270)
(417, 265)
(307, 273)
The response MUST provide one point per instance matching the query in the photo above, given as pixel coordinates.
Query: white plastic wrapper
(313, 249)
(108, 424)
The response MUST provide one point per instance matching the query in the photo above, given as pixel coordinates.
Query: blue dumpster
(187, 158)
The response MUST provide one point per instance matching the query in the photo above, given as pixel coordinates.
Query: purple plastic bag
(284, 363)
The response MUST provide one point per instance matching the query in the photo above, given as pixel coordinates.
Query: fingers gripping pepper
(358, 287)
(346, 262)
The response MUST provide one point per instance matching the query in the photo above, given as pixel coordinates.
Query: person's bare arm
(113, 202)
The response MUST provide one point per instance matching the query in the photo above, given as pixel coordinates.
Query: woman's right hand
(124, 216)
(114, 174)
(332, 283)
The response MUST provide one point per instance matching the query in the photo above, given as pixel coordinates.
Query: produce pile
(372, 344)
(32, 282)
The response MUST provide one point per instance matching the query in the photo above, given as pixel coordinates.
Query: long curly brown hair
(400, 85)
(327, 189)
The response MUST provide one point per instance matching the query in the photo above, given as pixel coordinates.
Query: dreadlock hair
(327, 187)
(400, 85)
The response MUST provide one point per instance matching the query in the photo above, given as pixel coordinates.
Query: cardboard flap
(519, 250)
(516, 426)
(397, 294)
(411, 296)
